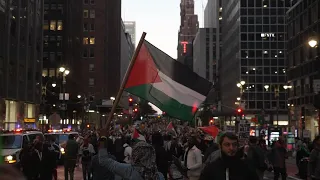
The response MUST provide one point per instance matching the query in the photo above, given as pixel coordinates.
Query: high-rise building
(61, 43)
(130, 27)
(303, 72)
(204, 53)
(20, 62)
(252, 69)
(188, 28)
(101, 49)
(207, 47)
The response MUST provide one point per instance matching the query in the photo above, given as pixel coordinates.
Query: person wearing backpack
(86, 153)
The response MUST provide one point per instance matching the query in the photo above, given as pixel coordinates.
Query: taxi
(14, 141)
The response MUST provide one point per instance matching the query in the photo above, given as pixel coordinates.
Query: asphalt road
(290, 164)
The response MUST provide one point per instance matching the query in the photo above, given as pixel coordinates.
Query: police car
(61, 137)
(13, 142)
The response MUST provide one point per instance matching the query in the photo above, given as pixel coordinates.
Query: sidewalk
(77, 173)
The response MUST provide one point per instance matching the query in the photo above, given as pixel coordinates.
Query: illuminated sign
(184, 44)
(29, 120)
(268, 35)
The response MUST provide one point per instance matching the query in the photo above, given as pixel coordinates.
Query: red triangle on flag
(144, 70)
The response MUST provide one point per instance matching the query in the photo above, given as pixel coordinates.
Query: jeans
(69, 165)
(86, 171)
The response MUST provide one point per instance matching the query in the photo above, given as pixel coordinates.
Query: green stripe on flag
(167, 104)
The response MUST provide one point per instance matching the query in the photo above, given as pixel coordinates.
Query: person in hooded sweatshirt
(226, 163)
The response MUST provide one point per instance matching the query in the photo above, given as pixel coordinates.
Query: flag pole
(124, 81)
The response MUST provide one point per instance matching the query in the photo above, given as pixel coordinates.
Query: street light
(238, 98)
(266, 87)
(287, 87)
(112, 98)
(62, 69)
(313, 42)
(242, 83)
(66, 72)
(238, 85)
(54, 84)
(79, 96)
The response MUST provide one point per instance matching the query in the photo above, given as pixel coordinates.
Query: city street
(77, 173)
(291, 170)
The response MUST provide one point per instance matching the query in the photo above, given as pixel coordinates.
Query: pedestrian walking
(71, 156)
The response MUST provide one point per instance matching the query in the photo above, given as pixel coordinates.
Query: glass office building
(254, 53)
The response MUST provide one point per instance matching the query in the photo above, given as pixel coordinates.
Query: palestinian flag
(136, 136)
(166, 83)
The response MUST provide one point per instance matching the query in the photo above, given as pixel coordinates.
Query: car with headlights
(61, 137)
(14, 141)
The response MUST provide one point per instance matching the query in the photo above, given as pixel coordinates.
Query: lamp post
(64, 72)
(240, 85)
(85, 106)
(43, 101)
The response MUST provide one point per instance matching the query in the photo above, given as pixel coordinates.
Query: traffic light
(130, 102)
(239, 112)
(211, 122)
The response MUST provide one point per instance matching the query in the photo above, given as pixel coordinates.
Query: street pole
(64, 97)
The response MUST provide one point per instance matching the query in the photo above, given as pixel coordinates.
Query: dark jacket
(214, 147)
(72, 149)
(218, 163)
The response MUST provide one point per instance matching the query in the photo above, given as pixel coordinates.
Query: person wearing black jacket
(161, 154)
(225, 163)
(48, 161)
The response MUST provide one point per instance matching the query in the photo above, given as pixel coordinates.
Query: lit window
(92, 40)
(52, 72)
(52, 25)
(85, 13)
(85, 40)
(45, 25)
(59, 28)
(92, 13)
(91, 67)
(91, 82)
(45, 73)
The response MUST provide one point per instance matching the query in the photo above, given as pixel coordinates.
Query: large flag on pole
(166, 83)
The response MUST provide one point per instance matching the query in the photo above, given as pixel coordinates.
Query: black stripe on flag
(178, 71)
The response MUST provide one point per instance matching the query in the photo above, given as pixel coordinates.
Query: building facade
(188, 28)
(303, 65)
(20, 62)
(204, 53)
(252, 67)
(130, 27)
(61, 43)
(101, 49)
